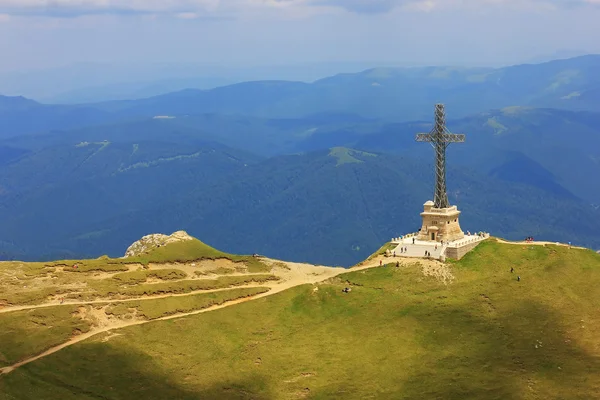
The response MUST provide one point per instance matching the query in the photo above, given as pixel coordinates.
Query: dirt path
(534, 243)
(291, 274)
(429, 267)
(118, 325)
(160, 296)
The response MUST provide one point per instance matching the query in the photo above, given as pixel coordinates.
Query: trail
(534, 243)
(119, 325)
(293, 274)
(108, 301)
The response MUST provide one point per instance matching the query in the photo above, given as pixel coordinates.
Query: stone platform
(455, 249)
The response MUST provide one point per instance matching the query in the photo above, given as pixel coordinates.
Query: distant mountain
(333, 206)
(19, 116)
(562, 146)
(564, 143)
(557, 55)
(135, 90)
(387, 94)
(80, 180)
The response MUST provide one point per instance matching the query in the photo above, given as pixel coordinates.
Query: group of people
(529, 239)
(402, 250)
(518, 277)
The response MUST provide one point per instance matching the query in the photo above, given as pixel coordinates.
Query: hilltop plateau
(179, 319)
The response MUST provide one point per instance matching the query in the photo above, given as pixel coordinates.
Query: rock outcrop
(149, 242)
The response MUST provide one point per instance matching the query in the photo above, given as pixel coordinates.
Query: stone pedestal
(440, 224)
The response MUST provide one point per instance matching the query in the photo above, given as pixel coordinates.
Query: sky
(48, 33)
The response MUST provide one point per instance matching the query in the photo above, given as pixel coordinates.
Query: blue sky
(48, 33)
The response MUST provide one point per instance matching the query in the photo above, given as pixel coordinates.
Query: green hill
(398, 334)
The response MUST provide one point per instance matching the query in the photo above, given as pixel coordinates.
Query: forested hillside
(267, 166)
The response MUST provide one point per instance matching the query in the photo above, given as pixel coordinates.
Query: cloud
(73, 8)
(384, 6)
(190, 9)
(363, 6)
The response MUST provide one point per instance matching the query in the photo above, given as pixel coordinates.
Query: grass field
(157, 308)
(396, 335)
(32, 283)
(26, 333)
(103, 288)
(176, 252)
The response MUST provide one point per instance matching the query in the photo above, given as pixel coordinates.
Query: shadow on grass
(27, 333)
(525, 354)
(470, 346)
(459, 344)
(101, 371)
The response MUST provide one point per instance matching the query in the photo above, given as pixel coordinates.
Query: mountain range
(327, 171)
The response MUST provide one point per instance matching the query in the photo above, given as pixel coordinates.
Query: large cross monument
(440, 220)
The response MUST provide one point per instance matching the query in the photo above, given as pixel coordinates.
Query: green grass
(106, 288)
(140, 276)
(217, 271)
(34, 296)
(27, 333)
(381, 251)
(396, 335)
(19, 292)
(347, 156)
(152, 309)
(93, 265)
(176, 252)
(183, 251)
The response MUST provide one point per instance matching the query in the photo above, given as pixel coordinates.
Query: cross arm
(446, 137)
(424, 137)
(453, 138)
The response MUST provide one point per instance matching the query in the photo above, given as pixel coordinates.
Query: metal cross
(440, 138)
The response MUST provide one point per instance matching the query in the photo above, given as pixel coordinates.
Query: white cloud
(187, 15)
(202, 8)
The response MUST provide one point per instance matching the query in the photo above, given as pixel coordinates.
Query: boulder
(150, 242)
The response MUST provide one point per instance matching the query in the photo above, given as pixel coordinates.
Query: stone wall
(458, 252)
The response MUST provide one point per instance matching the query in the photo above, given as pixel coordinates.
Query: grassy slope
(183, 251)
(12, 291)
(396, 335)
(28, 333)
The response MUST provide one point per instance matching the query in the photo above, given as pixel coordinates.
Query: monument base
(440, 224)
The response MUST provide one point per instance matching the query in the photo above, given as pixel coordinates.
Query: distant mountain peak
(15, 103)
